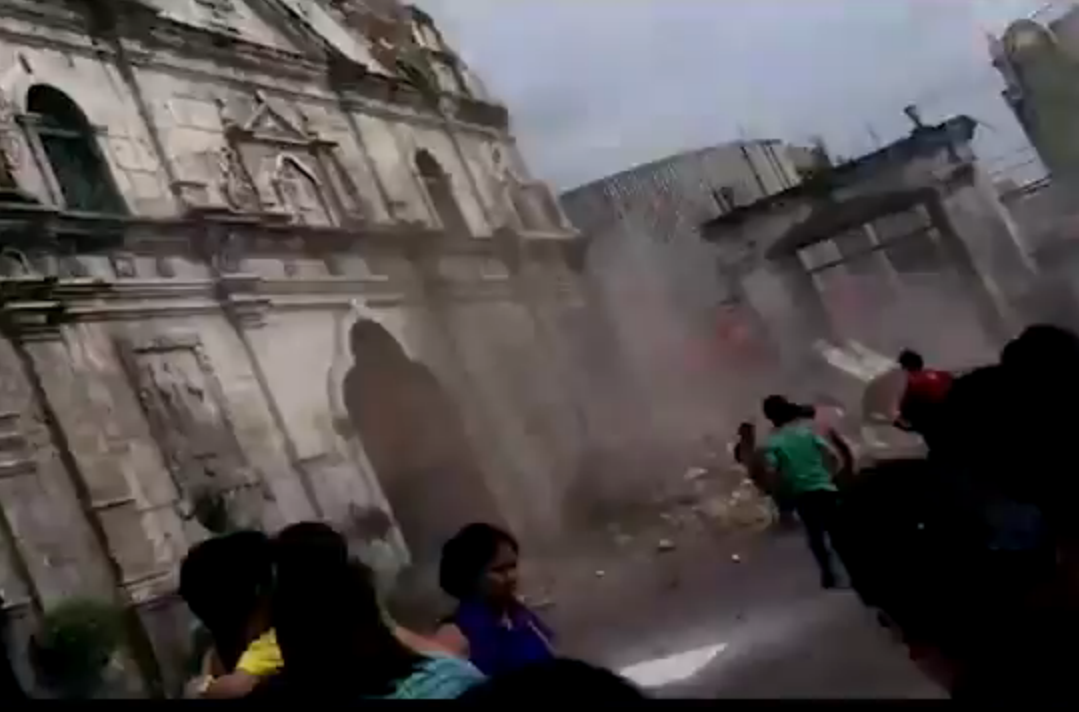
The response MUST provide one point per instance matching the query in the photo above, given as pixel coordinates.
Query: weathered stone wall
(281, 204)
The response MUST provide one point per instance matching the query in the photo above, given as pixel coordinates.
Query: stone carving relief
(299, 193)
(123, 264)
(10, 142)
(237, 189)
(275, 163)
(220, 13)
(12, 147)
(268, 123)
(179, 393)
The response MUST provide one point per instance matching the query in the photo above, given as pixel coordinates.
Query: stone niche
(273, 163)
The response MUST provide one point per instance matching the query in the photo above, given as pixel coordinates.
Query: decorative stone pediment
(271, 124)
(275, 166)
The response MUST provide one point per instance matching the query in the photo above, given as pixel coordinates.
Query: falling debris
(694, 473)
(600, 573)
(736, 558)
(665, 545)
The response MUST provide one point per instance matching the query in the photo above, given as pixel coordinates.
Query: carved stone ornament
(10, 142)
(236, 189)
(228, 253)
(222, 13)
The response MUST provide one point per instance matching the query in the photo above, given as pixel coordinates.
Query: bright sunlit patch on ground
(673, 668)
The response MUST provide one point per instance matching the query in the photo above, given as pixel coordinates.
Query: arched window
(71, 149)
(300, 193)
(441, 191)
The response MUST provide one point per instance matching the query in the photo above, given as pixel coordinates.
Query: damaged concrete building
(679, 329)
(906, 247)
(266, 261)
(1038, 59)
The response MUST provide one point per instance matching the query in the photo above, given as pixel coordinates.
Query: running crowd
(969, 555)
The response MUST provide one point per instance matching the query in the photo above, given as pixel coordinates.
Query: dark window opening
(71, 148)
(859, 252)
(441, 191)
(917, 253)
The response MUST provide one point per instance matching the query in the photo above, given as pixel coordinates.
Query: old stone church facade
(265, 261)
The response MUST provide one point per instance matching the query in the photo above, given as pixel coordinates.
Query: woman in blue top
(491, 627)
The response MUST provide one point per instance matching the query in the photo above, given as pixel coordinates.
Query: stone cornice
(51, 15)
(75, 39)
(34, 227)
(35, 308)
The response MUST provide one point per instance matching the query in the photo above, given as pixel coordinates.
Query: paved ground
(781, 635)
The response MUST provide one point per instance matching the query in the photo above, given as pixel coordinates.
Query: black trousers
(818, 512)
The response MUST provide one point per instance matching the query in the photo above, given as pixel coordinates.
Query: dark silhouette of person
(972, 554)
(926, 390)
(10, 688)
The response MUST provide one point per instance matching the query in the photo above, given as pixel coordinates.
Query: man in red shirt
(926, 390)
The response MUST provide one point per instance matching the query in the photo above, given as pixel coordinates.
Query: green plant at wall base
(75, 644)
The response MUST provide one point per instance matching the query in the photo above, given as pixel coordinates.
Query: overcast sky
(596, 86)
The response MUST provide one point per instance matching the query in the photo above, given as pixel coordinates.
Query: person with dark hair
(804, 465)
(225, 582)
(926, 389)
(335, 640)
(985, 622)
(555, 680)
(491, 626)
(747, 454)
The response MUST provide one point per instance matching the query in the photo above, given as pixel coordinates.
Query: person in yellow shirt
(260, 661)
(226, 582)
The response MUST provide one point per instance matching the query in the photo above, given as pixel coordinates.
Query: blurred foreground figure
(803, 466)
(926, 389)
(10, 689)
(972, 556)
(335, 640)
(982, 622)
(226, 582)
(491, 626)
(555, 680)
